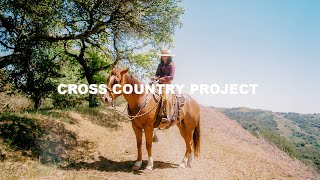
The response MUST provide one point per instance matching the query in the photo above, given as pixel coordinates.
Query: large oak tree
(96, 33)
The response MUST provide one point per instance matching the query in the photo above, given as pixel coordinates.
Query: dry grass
(37, 143)
(13, 103)
(97, 144)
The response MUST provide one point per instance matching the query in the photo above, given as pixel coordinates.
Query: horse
(146, 110)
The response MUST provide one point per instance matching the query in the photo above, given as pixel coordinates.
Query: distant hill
(297, 134)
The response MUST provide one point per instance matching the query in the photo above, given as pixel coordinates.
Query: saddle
(179, 101)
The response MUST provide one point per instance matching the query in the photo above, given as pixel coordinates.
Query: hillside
(99, 144)
(297, 134)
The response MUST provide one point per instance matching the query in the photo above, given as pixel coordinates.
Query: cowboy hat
(165, 52)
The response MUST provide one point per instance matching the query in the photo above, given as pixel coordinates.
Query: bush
(281, 142)
(66, 100)
(19, 132)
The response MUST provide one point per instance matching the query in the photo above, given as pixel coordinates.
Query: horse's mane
(131, 79)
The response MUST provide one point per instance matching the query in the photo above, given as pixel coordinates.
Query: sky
(273, 43)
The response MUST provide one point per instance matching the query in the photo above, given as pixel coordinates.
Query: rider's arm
(158, 71)
(172, 71)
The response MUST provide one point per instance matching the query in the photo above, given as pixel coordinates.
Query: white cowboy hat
(165, 52)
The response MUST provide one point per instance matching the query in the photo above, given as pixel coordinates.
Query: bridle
(111, 96)
(110, 92)
(145, 102)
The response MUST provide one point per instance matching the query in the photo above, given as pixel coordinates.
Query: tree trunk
(93, 100)
(37, 102)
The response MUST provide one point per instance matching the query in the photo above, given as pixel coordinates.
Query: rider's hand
(154, 78)
(163, 79)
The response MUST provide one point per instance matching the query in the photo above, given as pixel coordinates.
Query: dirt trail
(227, 152)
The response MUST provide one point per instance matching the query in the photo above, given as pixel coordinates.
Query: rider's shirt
(167, 71)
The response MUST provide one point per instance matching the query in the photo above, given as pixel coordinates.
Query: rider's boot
(167, 120)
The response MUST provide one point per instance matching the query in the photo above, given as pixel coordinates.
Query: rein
(131, 118)
(145, 103)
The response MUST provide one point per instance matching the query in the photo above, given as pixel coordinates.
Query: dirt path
(227, 152)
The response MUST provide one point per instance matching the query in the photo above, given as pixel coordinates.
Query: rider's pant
(166, 104)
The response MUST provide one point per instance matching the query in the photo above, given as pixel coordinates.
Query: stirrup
(164, 120)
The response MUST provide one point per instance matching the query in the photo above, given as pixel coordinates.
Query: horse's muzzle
(104, 98)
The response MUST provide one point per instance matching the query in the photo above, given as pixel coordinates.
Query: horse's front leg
(138, 133)
(148, 130)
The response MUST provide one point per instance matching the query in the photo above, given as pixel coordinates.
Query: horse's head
(116, 77)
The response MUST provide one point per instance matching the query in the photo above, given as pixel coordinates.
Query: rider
(165, 74)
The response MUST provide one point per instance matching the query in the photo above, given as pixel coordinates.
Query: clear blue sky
(275, 43)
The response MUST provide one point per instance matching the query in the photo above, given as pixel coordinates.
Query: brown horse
(143, 106)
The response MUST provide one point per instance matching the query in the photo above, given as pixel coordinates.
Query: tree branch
(100, 26)
(67, 52)
(5, 45)
(6, 60)
(97, 45)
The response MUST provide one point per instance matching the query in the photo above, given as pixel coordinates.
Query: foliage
(96, 34)
(36, 77)
(281, 142)
(306, 122)
(303, 141)
(19, 132)
(255, 120)
(65, 101)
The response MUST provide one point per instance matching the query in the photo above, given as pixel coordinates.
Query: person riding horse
(142, 112)
(165, 75)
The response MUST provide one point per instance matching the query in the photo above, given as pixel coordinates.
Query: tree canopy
(97, 34)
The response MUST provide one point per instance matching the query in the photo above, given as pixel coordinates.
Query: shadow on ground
(103, 117)
(42, 139)
(104, 164)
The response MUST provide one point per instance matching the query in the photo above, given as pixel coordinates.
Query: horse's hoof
(135, 168)
(148, 170)
(182, 165)
(188, 166)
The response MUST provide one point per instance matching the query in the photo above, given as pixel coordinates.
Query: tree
(36, 78)
(97, 33)
(123, 29)
(22, 25)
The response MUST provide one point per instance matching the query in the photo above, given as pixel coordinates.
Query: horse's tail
(196, 139)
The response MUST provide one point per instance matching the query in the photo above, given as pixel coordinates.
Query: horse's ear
(113, 70)
(113, 67)
(124, 71)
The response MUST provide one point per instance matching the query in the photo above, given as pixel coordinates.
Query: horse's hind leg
(186, 133)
